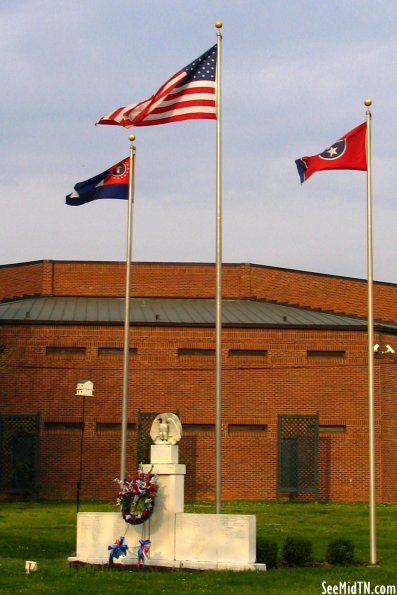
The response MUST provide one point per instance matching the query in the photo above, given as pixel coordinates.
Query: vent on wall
(235, 428)
(332, 429)
(105, 427)
(199, 427)
(103, 351)
(196, 352)
(63, 426)
(55, 350)
(247, 352)
(322, 354)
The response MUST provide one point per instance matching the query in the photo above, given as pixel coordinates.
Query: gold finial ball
(367, 102)
(131, 137)
(218, 24)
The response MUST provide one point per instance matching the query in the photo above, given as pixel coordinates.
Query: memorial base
(178, 539)
(200, 541)
(131, 564)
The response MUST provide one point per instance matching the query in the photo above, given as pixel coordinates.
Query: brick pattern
(327, 292)
(253, 393)
(255, 390)
(21, 279)
(314, 290)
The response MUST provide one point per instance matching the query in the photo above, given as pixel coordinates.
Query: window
(318, 354)
(195, 352)
(63, 426)
(235, 428)
(118, 351)
(332, 429)
(110, 427)
(247, 352)
(55, 350)
(198, 427)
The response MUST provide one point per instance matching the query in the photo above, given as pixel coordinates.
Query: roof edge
(194, 264)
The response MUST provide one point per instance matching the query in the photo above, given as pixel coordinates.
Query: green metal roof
(170, 311)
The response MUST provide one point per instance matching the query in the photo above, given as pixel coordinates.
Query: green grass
(46, 532)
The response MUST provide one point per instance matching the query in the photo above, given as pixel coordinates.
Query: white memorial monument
(178, 539)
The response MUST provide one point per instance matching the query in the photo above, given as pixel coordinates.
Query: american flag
(188, 94)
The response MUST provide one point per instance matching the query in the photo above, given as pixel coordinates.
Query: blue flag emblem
(334, 151)
(112, 183)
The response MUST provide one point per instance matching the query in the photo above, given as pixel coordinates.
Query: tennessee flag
(346, 153)
(112, 183)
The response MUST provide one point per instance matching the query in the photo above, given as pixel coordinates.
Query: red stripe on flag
(178, 118)
(184, 104)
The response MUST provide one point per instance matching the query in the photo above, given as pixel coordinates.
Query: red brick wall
(149, 279)
(386, 407)
(254, 392)
(327, 292)
(21, 279)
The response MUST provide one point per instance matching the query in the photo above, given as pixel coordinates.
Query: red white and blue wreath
(137, 496)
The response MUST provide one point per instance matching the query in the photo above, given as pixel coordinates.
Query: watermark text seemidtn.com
(357, 588)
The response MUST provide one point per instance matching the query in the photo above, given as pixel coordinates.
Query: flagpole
(124, 410)
(218, 323)
(371, 399)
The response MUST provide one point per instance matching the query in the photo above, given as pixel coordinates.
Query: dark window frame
(248, 353)
(64, 350)
(325, 354)
(115, 351)
(195, 352)
(332, 428)
(63, 426)
(252, 428)
(199, 428)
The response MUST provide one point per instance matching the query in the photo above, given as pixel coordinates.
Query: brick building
(294, 378)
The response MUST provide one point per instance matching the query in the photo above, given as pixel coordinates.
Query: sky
(294, 76)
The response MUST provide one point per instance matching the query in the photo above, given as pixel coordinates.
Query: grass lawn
(46, 532)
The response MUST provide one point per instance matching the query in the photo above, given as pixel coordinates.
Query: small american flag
(188, 94)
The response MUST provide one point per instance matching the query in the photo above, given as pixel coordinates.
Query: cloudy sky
(294, 78)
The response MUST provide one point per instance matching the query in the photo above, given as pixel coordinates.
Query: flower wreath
(136, 496)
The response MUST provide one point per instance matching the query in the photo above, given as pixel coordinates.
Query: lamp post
(84, 388)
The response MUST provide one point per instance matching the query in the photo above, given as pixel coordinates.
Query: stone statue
(166, 429)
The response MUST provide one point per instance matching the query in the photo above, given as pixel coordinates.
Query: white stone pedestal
(179, 539)
(170, 499)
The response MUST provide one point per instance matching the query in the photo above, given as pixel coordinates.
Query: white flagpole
(124, 409)
(218, 323)
(371, 398)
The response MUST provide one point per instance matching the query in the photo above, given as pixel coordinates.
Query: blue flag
(112, 183)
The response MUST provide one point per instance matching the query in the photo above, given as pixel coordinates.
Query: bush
(340, 551)
(297, 551)
(266, 552)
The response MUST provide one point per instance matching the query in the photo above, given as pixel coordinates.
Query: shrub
(266, 552)
(340, 551)
(297, 551)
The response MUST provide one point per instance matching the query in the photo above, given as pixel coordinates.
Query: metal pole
(218, 323)
(371, 398)
(81, 459)
(124, 409)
